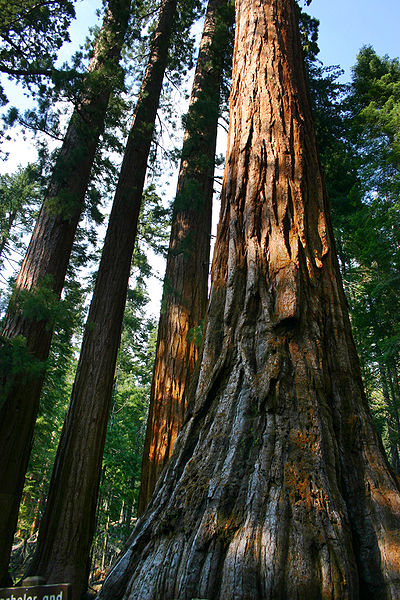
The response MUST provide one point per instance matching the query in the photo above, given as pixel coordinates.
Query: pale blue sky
(346, 25)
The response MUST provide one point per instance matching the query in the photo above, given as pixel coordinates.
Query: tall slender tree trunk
(393, 386)
(278, 486)
(46, 263)
(105, 543)
(67, 527)
(185, 294)
(40, 492)
(392, 422)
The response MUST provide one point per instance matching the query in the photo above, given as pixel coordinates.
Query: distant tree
(121, 465)
(186, 279)
(28, 325)
(278, 485)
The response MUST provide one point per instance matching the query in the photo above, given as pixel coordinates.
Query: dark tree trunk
(40, 492)
(46, 263)
(186, 279)
(393, 386)
(392, 421)
(278, 486)
(67, 527)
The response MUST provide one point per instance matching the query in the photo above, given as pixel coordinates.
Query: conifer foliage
(31, 33)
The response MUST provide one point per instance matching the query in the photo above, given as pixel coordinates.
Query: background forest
(358, 125)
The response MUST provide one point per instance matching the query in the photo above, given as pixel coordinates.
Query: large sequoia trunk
(186, 278)
(278, 486)
(46, 263)
(67, 526)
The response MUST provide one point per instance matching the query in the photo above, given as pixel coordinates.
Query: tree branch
(25, 72)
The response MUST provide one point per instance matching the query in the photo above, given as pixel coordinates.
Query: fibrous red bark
(67, 526)
(46, 263)
(185, 294)
(278, 486)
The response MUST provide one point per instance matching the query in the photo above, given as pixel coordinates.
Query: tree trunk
(393, 386)
(278, 486)
(392, 422)
(47, 257)
(185, 294)
(67, 527)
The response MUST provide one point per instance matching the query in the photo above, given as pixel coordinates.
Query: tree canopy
(31, 33)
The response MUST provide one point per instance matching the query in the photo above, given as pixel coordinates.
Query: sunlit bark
(278, 486)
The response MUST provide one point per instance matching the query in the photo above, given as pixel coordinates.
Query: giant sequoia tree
(186, 277)
(43, 271)
(67, 526)
(278, 486)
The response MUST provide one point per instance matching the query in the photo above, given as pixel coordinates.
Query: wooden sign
(58, 591)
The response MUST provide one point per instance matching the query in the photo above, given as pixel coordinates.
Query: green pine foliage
(373, 105)
(20, 194)
(31, 33)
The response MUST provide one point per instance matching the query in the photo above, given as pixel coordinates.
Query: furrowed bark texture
(278, 486)
(186, 278)
(67, 525)
(48, 256)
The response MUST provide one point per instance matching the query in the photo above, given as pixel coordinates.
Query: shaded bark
(185, 294)
(392, 421)
(278, 486)
(46, 263)
(67, 527)
(394, 394)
